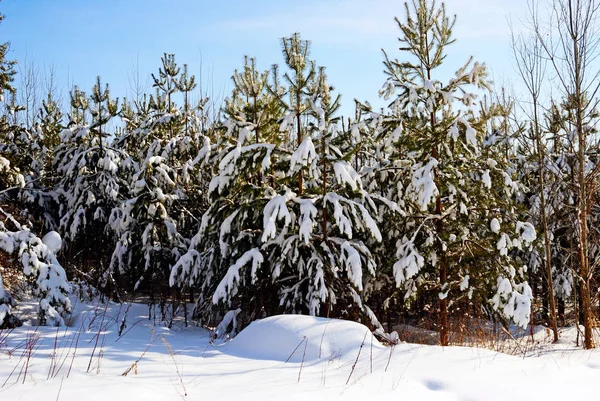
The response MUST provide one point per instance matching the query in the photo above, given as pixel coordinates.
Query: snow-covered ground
(282, 357)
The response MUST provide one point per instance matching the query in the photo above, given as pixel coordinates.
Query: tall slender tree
(532, 69)
(450, 174)
(571, 43)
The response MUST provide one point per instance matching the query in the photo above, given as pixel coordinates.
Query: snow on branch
(304, 156)
(346, 175)
(409, 261)
(276, 209)
(227, 286)
(422, 188)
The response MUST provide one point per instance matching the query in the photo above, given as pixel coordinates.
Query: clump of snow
(527, 231)
(464, 284)
(470, 134)
(422, 188)
(345, 174)
(409, 261)
(351, 258)
(454, 132)
(298, 337)
(53, 241)
(487, 181)
(503, 244)
(303, 156)
(230, 318)
(4, 163)
(306, 221)
(495, 225)
(514, 301)
(276, 209)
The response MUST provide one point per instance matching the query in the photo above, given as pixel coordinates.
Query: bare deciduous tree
(29, 87)
(570, 41)
(531, 66)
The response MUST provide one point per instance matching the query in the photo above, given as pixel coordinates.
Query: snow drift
(295, 338)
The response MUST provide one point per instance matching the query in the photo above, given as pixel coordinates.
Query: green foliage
(281, 205)
(437, 147)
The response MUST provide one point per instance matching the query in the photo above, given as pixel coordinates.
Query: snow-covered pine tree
(166, 85)
(17, 145)
(285, 229)
(456, 187)
(254, 105)
(148, 239)
(19, 148)
(15, 160)
(79, 104)
(155, 125)
(36, 144)
(38, 192)
(50, 123)
(90, 183)
(251, 124)
(9, 177)
(167, 154)
(130, 138)
(7, 302)
(37, 257)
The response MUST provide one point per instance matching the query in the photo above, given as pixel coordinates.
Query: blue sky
(86, 38)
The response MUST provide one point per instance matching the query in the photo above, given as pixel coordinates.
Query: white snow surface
(181, 363)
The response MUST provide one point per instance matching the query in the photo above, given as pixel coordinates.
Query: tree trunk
(324, 188)
(588, 341)
(579, 66)
(443, 312)
(300, 183)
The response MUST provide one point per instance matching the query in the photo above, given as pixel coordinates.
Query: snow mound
(53, 241)
(298, 337)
